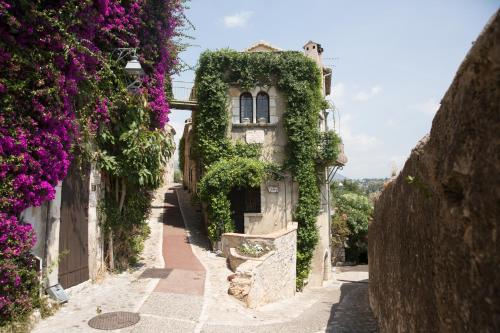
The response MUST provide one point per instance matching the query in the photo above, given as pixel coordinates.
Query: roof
(310, 42)
(262, 46)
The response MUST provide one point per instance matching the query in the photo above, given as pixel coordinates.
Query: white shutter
(235, 110)
(272, 110)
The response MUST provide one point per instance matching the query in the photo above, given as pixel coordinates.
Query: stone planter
(235, 259)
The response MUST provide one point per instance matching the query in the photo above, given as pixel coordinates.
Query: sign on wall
(273, 188)
(255, 136)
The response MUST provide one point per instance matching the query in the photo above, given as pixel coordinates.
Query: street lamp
(132, 68)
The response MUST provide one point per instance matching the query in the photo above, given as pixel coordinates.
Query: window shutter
(272, 110)
(235, 110)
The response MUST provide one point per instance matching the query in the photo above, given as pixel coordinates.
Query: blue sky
(392, 60)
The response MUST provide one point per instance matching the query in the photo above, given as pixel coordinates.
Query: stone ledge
(236, 259)
(251, 125)
(233, 239)
(266, 279)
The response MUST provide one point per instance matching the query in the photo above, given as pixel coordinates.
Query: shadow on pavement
(352, 314)
(155, 273)
(192, 218)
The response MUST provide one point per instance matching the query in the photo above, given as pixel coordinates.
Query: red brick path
(187, 275)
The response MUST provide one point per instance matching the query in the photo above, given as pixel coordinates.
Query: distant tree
(353, 186)
(358, 210)
(353, 210)
(177, 176)
(340, 233)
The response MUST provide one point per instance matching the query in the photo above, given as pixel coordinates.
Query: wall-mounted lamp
(134, 67)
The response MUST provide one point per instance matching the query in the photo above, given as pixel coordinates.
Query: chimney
(314, 51)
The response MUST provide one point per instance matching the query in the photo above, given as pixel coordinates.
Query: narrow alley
(187, 292)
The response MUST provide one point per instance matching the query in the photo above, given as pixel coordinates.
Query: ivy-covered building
(258, 149)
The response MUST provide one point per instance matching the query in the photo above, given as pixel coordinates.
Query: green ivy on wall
(215, 186)
(328, 149)
(299, 79)
(182, 153)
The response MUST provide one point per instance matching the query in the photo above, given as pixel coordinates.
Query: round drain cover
(114, 320)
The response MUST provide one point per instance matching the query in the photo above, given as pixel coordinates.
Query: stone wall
(321, 265)
(434, 250)
(97, 265)
(269, 278)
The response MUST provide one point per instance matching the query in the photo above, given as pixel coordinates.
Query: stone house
(256, 116)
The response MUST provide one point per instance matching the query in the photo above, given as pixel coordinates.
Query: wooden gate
(73, 234)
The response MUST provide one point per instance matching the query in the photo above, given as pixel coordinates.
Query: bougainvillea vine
(57, 83)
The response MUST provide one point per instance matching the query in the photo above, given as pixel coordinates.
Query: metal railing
(183, 91)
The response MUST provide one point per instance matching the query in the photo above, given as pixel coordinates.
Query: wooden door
(73, 234)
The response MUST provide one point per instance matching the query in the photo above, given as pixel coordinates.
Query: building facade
(257, 116)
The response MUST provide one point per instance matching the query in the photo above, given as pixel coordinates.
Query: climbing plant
(182, 153)
(328, 149)
(214, 187)
(132, 156)
(62, 94)
(299, 79)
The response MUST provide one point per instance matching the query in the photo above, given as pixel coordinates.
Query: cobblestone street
(172, 294)
(353, 313)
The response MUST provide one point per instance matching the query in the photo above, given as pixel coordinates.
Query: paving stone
(156, 324)
(353, 313)
(186, 307)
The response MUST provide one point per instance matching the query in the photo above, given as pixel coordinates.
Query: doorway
(73, 233)
(244, 200)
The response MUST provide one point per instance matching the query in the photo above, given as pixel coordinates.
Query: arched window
(263, 106)
(246, 107)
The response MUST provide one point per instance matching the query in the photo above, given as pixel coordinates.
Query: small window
(252, 200)
(263, 107)
(314, 46)
(246, 108)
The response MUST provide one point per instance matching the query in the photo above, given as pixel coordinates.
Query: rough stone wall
(97, 266)
(269, 278)
(434, 243)
(37, 217)
(274, 278)
(321, 265)
(47, 240)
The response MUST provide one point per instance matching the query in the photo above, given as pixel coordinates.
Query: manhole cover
(114, 320)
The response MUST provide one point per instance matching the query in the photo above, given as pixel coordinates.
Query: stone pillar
(51, 268)
(95, 239)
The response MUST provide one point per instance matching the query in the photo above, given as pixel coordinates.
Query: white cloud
(237, 20)
(428, 107)
(357, 142)
(366, 95)
(338, 91)
(390, 122)
(338, 95)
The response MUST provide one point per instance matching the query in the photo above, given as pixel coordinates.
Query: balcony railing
(184, 96)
